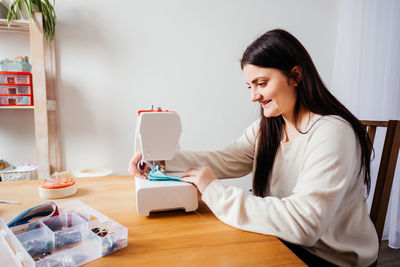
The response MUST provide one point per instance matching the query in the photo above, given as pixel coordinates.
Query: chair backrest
(386, 169)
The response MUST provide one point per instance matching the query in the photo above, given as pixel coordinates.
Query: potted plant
(25, 9)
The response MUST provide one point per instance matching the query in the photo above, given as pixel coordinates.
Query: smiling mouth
(264, 103)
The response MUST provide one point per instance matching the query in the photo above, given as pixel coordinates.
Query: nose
(255, 95)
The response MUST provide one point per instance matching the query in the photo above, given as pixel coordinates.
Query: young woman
(308, 155)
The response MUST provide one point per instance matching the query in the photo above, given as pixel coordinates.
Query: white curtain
(366, 79)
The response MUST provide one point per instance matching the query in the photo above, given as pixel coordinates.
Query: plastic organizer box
(12, 65)
(16, 88)
(68, 239)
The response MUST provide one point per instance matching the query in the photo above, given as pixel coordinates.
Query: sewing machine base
(164, 195)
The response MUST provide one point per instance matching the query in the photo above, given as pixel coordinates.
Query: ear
(296, 74)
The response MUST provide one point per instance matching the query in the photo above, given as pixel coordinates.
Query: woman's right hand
(133, 170)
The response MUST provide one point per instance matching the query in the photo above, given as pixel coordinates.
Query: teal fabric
(157, 175)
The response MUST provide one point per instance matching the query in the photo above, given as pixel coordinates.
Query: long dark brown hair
(280, 50)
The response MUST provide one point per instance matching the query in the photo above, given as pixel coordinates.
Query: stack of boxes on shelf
(16, 88)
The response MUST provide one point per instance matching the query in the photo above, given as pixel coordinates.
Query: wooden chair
(386, 170)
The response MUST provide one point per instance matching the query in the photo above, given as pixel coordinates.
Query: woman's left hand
(199, 176)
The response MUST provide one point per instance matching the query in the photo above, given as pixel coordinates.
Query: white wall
(116, 57)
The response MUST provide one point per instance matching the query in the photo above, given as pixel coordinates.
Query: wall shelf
(17, 107)
(16, 26)
(44, 93)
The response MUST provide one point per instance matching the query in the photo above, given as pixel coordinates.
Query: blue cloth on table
(158, 175)
(46, 210)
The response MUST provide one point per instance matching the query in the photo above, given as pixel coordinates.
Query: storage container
(15, 100)
(16, 89)
(18, 175)
(22, 171)
(11, 65)
(69, 239)
(12, 77)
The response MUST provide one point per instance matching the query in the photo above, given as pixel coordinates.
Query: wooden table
(172, 238)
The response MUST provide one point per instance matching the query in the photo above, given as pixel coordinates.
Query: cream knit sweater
(315, 191)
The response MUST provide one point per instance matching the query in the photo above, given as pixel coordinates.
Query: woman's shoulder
(256, 123)
(331, 126)
(329, 122)
(254, 127)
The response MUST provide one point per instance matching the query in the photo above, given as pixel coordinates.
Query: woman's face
(272, 89)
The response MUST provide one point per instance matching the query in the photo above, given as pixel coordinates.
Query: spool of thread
(59, 186)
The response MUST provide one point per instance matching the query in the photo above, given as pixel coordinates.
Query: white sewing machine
(157, 136)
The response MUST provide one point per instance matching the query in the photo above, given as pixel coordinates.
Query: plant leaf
(28, 6)
(43, 6)
(38, 4)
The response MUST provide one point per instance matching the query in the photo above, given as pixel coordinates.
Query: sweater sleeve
(235, 160)
(331, 163)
